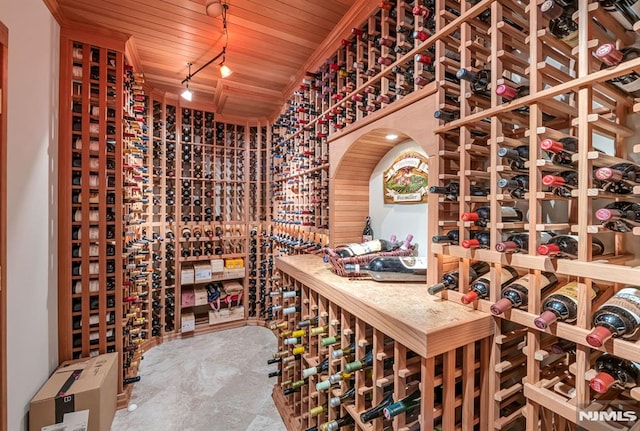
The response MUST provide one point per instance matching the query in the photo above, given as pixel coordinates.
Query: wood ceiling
(271, 44)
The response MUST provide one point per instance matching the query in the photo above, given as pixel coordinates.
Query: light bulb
(214, 8)
(187, 95)
(225, 72)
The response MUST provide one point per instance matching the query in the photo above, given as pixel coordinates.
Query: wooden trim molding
(4, 50)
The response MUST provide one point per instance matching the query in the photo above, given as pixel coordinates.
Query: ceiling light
(187, 94)
(214, 8)
(225, 72)
(391, 137)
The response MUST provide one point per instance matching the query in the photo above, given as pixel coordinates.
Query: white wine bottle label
(629, 300)
(414, 262)
(632, 85)
(570, 290)
(366, 247)
(509, 212)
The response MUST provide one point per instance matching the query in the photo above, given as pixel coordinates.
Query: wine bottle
(333, 425)
(517, 185)
(509, 92)
(480, 287)
(367, 232)
(339, 353)
(404, 405)
(620, 216)
(561, 24)
(619, 317)
(393, 268)
(378, 410)
(323, 367)
(481, 216)
(519, 241)
(452, 237)
(627, 13)
(450, 279)
(479, 239)
(567, 246)
(517, 293)
(562, 183)
(619, 178)
(561, 150)
(377, 245)
(615, 372)
(610, 56)
(517, 157)
(452, 190)
(562, 305)
(479, 80)
(346, 397)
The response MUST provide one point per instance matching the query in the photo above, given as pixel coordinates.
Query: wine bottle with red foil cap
(561, 150)
(610, 56)
(619, 317)
(516, 294)
(615, 372)
(451, 279)
(627, 12)
(509, 92)
(517, 156)
(479, 288)
(562, 183)
(517, 185)
(567, 246)
(520, 242)
(620, 216)
(619, 178)
(479, 239)
(562, 305)
(561, 24)
(481, 216)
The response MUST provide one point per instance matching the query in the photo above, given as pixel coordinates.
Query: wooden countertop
(423, 323)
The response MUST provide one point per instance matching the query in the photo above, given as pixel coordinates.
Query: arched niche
(353, 156)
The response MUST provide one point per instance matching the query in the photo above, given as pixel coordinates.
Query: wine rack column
(90, 199)
(376, 358)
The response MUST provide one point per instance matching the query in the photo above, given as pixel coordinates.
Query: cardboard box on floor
(83, 384)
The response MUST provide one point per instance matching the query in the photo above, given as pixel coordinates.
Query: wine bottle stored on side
(620, 216)
(562, 305)
(610, 56)
(627, 12)
(345, 398)
(561, 24)
(451, 191)
(393, 268)
(615, 372)
(480, 287)
(481, 216)
(451, 279)
(519, 242)
(405, 405)
(517, 293)
(452, 237)
(619, 178)
(479, 80)
(619, 317)
(479, 239)
(378, 410)
(517, 156)
(333, 425)
(375, 246)
(567, 246)
(517, 185)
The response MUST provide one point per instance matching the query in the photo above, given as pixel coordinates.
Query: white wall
(32, 314)
(395, 219)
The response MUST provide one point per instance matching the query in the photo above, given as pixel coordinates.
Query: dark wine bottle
(517, 293)
(393, 268)
(615, 372)
(378, 410)
(333, 425)
(620, 216)
(610, 56)
(567, 246)
(520, 242)
(481, 216)
(517, 185)
(405, 405)
(561, 150)
(619, 317)
(561, 24)
(562, 305)
(479, 80)
(450, 279)
(452, 190)
(619, 178)
(517, 156)
(480, 239)
(480, 287)
(626, 12)
(452, 237)
(346, 397)
(509, 92)
(367, 232)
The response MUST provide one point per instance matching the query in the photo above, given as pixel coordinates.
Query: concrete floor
(212, 382)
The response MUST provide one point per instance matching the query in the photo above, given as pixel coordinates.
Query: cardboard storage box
(188, 322)
(200, 296)
(217, 265)
(83, 384)
(188, 296)
(187, 275)
(202, 272)
(230, 264)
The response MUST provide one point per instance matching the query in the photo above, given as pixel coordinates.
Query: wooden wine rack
(430, 342)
